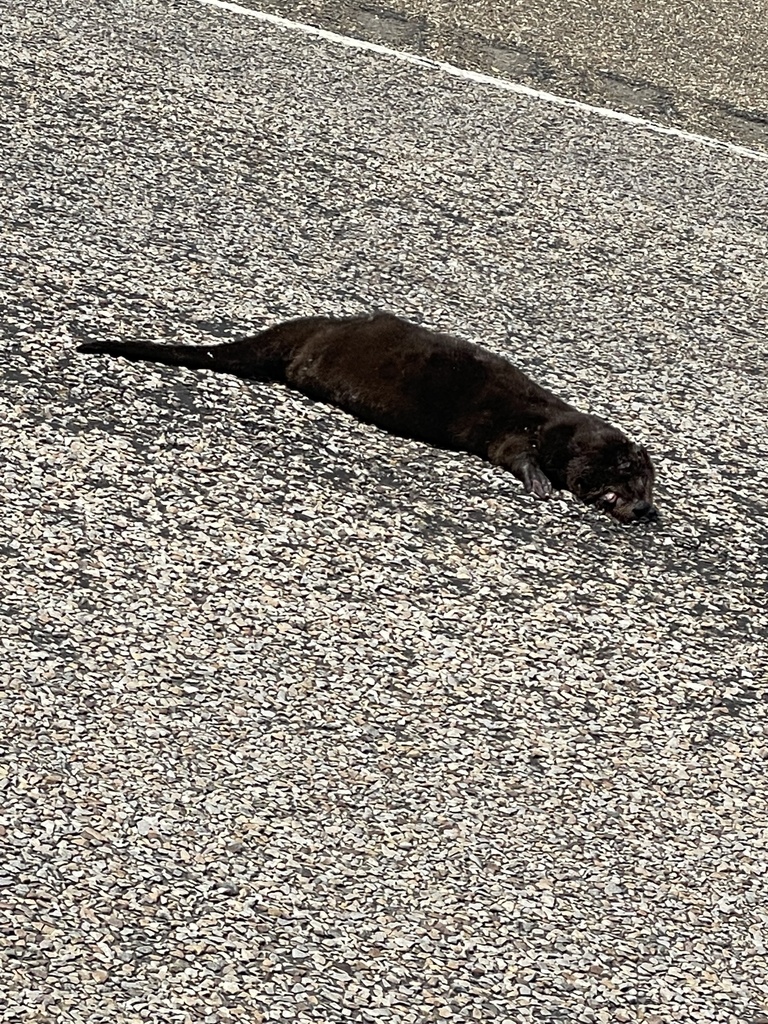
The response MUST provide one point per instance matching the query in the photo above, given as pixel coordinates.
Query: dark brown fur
(439, 389)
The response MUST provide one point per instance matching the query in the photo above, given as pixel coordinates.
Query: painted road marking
(498, 83)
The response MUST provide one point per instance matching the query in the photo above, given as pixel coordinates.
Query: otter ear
(628, 457)
(639, 450)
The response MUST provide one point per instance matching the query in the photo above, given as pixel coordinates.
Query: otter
(435, 388)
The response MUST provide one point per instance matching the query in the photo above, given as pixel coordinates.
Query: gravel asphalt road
(701, 66)
(303, 722)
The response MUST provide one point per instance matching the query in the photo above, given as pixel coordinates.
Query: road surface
(304, 722)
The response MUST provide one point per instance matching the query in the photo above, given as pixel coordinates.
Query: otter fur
(433, 387)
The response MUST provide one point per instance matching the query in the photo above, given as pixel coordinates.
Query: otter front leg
(534, 480)
(516, 454)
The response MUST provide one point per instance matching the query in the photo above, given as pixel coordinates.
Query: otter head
(616, 476)
(602, 467)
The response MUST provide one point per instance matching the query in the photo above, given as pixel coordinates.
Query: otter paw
(537, 483)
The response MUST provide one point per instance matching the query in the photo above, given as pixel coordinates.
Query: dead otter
(435, 388)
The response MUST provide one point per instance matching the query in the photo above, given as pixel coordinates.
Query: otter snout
(645, 511)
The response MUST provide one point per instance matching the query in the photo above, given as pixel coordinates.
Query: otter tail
(242, 359)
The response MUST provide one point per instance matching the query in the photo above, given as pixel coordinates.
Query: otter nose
(645, 510)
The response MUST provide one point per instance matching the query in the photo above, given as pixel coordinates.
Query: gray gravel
(304, 722)
(700, 66)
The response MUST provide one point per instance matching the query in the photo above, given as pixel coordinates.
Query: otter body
(435, 388)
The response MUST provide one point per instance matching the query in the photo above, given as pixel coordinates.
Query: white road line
(498, 83)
